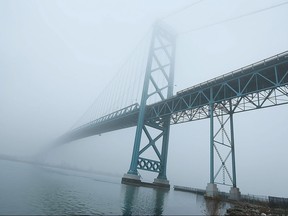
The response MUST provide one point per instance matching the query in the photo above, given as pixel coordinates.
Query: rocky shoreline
(245, 208)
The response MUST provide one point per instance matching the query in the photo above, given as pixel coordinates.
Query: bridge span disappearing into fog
(260, 85)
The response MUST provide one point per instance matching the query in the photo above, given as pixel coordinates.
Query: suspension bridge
(260, 85)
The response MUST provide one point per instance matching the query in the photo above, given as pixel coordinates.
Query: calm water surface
(29, 189)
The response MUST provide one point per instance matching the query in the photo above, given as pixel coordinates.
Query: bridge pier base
(211, 190)
(234, 193)
(131, 179)
(161, 183)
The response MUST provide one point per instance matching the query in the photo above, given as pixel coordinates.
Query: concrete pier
(234, 193)
(163, 183)
(131, 179)
(212, 190)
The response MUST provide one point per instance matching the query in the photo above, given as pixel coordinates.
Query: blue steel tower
(160, 62)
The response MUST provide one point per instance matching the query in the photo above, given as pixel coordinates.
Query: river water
(30, 189)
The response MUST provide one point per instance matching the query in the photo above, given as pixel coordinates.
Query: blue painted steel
(164, 152)
(160, 34)
(260, 85)
(141, 116)
(223, 144)
(233, 148)
(211, 111)
(149, 165)
(255, 85)
(211, 145)
(194, 103)
(123, 118)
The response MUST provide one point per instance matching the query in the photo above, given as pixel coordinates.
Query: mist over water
(58, 58)
(30, 189)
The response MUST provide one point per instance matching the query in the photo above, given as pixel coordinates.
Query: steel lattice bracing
(222, 143)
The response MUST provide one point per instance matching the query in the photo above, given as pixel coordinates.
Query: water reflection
(139, 201)
(159, 204)
(130, 193)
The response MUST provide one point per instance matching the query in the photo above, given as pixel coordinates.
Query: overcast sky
(56, 56)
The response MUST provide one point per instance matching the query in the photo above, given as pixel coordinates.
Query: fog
(57, 56)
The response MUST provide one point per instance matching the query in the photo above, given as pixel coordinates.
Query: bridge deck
(255, 84)
(120, 119)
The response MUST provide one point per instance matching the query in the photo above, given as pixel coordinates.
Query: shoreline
(247, 205)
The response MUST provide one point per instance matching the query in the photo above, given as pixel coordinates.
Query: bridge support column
(222, 142)
(211, 189)
(234, 191)
(161, 180)
(158, 84)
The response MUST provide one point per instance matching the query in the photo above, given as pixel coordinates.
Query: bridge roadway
(259, 85)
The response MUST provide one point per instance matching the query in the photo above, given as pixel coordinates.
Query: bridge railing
(239, 71)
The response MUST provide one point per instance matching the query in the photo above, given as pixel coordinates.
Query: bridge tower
(160, 63)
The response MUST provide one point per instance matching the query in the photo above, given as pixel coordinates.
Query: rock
(241, 208)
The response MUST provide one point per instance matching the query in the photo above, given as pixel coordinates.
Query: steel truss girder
(122, 118)
(263, 99)
(257, 86)
(160, 64)
(111, 116)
